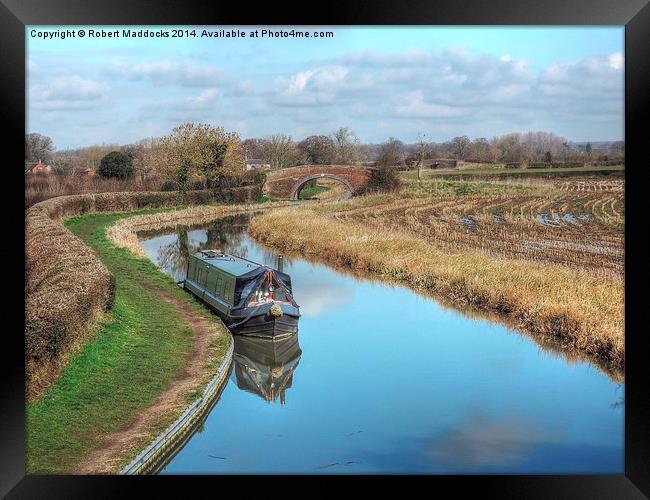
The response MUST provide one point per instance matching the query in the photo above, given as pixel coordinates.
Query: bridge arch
(286, 183)
(295, 190)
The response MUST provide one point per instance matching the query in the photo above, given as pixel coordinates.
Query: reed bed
(567, 306)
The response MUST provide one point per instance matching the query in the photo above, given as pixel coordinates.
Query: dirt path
(139, 431)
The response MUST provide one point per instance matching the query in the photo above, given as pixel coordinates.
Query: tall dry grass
(567, 306)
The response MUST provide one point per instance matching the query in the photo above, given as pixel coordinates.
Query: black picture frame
(633, 14)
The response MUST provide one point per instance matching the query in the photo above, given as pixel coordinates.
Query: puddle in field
(555, 219)
(469, 221)
(497, 218)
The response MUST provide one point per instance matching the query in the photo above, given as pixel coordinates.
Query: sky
(380, 81)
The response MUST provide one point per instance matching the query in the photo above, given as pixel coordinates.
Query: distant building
(37, 168)
(255, 163)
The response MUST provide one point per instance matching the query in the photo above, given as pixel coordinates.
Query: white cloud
(68, 92)
(169, 72)
(204, 98)
(616, 61)
(414, 105)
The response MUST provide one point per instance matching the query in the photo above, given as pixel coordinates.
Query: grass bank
(566, 306)
(140, 346)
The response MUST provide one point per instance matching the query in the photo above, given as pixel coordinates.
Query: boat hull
(268, 326)
(257, 322)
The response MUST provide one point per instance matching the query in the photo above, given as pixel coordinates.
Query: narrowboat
(252, 299)
(265, 367)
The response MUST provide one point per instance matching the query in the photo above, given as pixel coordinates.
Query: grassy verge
(567, 306)
(139, 347)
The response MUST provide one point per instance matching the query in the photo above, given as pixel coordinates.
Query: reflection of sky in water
(389, 381)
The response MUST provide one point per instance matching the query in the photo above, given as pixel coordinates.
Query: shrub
(116, 164)
(197, 185)
(168, 186)
(383, 179)
(259, 177)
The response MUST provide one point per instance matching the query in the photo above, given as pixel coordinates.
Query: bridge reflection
(265, 367)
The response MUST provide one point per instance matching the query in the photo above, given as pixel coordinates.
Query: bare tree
(280, 151)
(421, 151)
(348, 146)
(391, 153)
(459, 146)
(38, 148)
(318, 149)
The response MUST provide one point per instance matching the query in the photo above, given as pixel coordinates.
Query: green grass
(445, 187)
(312, 191)
(140, 345)
(267, 199)
(509, 172)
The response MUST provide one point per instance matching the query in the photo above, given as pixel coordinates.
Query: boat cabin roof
(233, 265)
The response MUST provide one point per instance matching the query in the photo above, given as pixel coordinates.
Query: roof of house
(32, 165)
(255, 161)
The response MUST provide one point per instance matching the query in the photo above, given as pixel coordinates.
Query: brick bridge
(287, 182)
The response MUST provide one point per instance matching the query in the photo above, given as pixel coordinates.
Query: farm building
(255, 163)
(37, 168)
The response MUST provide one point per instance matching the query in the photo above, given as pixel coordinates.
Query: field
(577, 223)
(484, 170)
(546, 254)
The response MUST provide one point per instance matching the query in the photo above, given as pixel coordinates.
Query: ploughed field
(577, 223)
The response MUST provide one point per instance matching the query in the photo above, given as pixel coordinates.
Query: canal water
(380, 379)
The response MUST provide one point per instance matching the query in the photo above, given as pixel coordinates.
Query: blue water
(387, 381)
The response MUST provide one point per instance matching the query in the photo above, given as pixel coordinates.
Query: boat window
(219, 288)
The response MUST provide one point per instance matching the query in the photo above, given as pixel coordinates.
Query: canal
(381, 379)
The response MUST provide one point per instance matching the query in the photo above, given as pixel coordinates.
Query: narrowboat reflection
(265, 367)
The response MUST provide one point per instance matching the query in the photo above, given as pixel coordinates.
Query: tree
(116, 164)
(38, 148)
(588, 148)
(318, 149)
(348, 146)
(201, 150)
(421, 151)
(480, 150)
(391, 153)
(61, 166)
(459, 146)
(253, 147)
(280, 151)
(383, 179)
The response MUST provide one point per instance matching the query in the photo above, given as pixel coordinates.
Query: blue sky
(382, 82)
